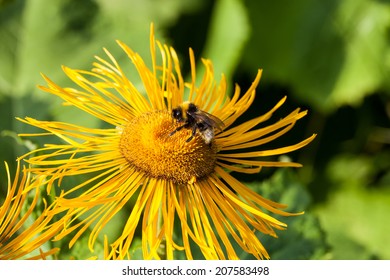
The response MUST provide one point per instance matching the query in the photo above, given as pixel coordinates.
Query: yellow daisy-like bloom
(16, 239)
(168, 181)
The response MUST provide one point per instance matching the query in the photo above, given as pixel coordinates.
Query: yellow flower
(168, 181)
(18, 235)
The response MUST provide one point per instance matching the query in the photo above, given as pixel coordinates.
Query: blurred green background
(330, 57)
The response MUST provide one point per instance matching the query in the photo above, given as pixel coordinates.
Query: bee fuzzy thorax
(191, 117)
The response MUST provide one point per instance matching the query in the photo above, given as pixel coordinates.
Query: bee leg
(177, 129)
(192, 135)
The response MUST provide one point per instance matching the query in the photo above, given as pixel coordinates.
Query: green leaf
(80, 250)
(356, 223)
(356, 210)
(40, 37)
(136, 252)
(330, 53)
(304, 237)
(351, 170)
(229, 31)
(10, 26)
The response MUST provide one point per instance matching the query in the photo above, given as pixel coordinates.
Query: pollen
(147, 145)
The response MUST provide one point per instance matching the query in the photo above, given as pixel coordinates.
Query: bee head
(177, 114)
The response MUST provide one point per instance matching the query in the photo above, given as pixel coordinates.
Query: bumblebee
(192, 117)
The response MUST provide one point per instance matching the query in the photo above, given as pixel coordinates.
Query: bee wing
(210, 119)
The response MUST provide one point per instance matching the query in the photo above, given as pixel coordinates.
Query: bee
(192, 117)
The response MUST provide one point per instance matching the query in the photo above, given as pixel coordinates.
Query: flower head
(18, 237)
(161, 168)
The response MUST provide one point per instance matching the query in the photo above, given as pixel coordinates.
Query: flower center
(146, 144)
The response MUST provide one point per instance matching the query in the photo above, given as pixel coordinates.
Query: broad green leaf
(355, 213)
(304, 237)
(356, 223)
(10, 27)
(40, 37)
(229, 31)
(330, 53)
